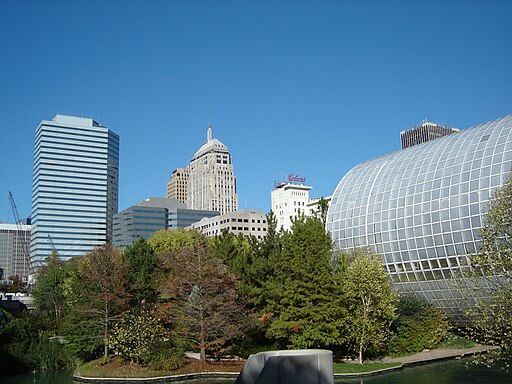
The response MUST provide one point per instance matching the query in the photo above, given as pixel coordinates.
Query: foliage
(418, 326)
(172, 241)
(304, 307)
(27, 341)
(48, 291)
(142, 265)
(370, 301)
(98, 290)
(491, 320)
(134, 334)
(164, 356)
(491, 323)
(495, 257)
(205, 306)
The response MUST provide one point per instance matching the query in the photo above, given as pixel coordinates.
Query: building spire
(209, 134)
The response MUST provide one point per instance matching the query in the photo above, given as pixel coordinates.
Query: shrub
(134, 335)
(163, 356)
(418, 326)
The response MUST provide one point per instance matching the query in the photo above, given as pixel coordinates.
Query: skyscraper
(426, 131)
(75, 187)
(177, 186)
(212, 183)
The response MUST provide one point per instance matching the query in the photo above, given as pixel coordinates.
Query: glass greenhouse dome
(420, 208)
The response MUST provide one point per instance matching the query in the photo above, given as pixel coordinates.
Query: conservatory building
(421, 208)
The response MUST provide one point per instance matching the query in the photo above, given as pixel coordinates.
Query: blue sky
(307, 87)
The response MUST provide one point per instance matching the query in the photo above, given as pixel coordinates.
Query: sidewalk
(438, 354)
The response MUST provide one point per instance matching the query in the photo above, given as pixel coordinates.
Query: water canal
(445, 372)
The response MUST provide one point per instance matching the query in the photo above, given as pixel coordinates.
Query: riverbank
(115, 371)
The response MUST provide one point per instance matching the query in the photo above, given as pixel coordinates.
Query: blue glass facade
(421, 208)
(75, 187)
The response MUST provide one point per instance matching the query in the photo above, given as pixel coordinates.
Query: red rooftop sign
(296, 178)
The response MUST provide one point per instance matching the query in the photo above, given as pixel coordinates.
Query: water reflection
(447, 372)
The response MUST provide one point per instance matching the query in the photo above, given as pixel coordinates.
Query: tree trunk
(202, 341)
(106, 332)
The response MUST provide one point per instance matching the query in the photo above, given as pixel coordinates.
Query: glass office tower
(75, 187)
(420, 208)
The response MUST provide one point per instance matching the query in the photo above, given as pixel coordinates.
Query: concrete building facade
(212, 182)
(14, 250)
(245, 222)
(289, 200)
(177, 187)
(75, 187)
(426, 131)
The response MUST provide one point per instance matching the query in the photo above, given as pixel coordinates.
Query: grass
(453, 341)
(362, 368)
(118, 368)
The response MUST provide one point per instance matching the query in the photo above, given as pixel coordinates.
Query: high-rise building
(75, 187)
(245, 222)
(421, 209)
(212, 183)
(14, 248)
(426, 131)
(151, 215)
(177, 186)
(289, 200)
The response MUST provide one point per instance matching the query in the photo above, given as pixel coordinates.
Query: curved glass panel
(421, 208)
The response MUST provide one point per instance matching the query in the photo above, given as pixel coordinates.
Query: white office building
(212, 183)
(245, 222)
(289, 200)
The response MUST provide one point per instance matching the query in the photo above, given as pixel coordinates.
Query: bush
(164, 357)
(25, 340)
(135, 334)
(418, 326)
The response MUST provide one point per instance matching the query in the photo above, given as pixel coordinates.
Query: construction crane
(20, 236)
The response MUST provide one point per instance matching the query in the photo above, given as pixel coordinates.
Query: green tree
(48, 291)
(371, 301)
(172, 240)
(205, 305)
(418, 326)
(492, 318)
(134, 335)
(142, 267)
(305, 297)
(98, 290)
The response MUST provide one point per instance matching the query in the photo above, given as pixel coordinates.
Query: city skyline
(284, 85)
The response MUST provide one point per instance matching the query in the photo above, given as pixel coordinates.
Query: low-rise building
(245, 222)
(152, 215)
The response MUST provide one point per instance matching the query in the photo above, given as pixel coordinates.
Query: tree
(48, 291)
(205, 305)
(495, 258)
(418, 326)
(491, 319)
(142, 266)
(134, 335)
(172, 240)
(304, 307)
(323, 207)
(98, 289)
(371, 301)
